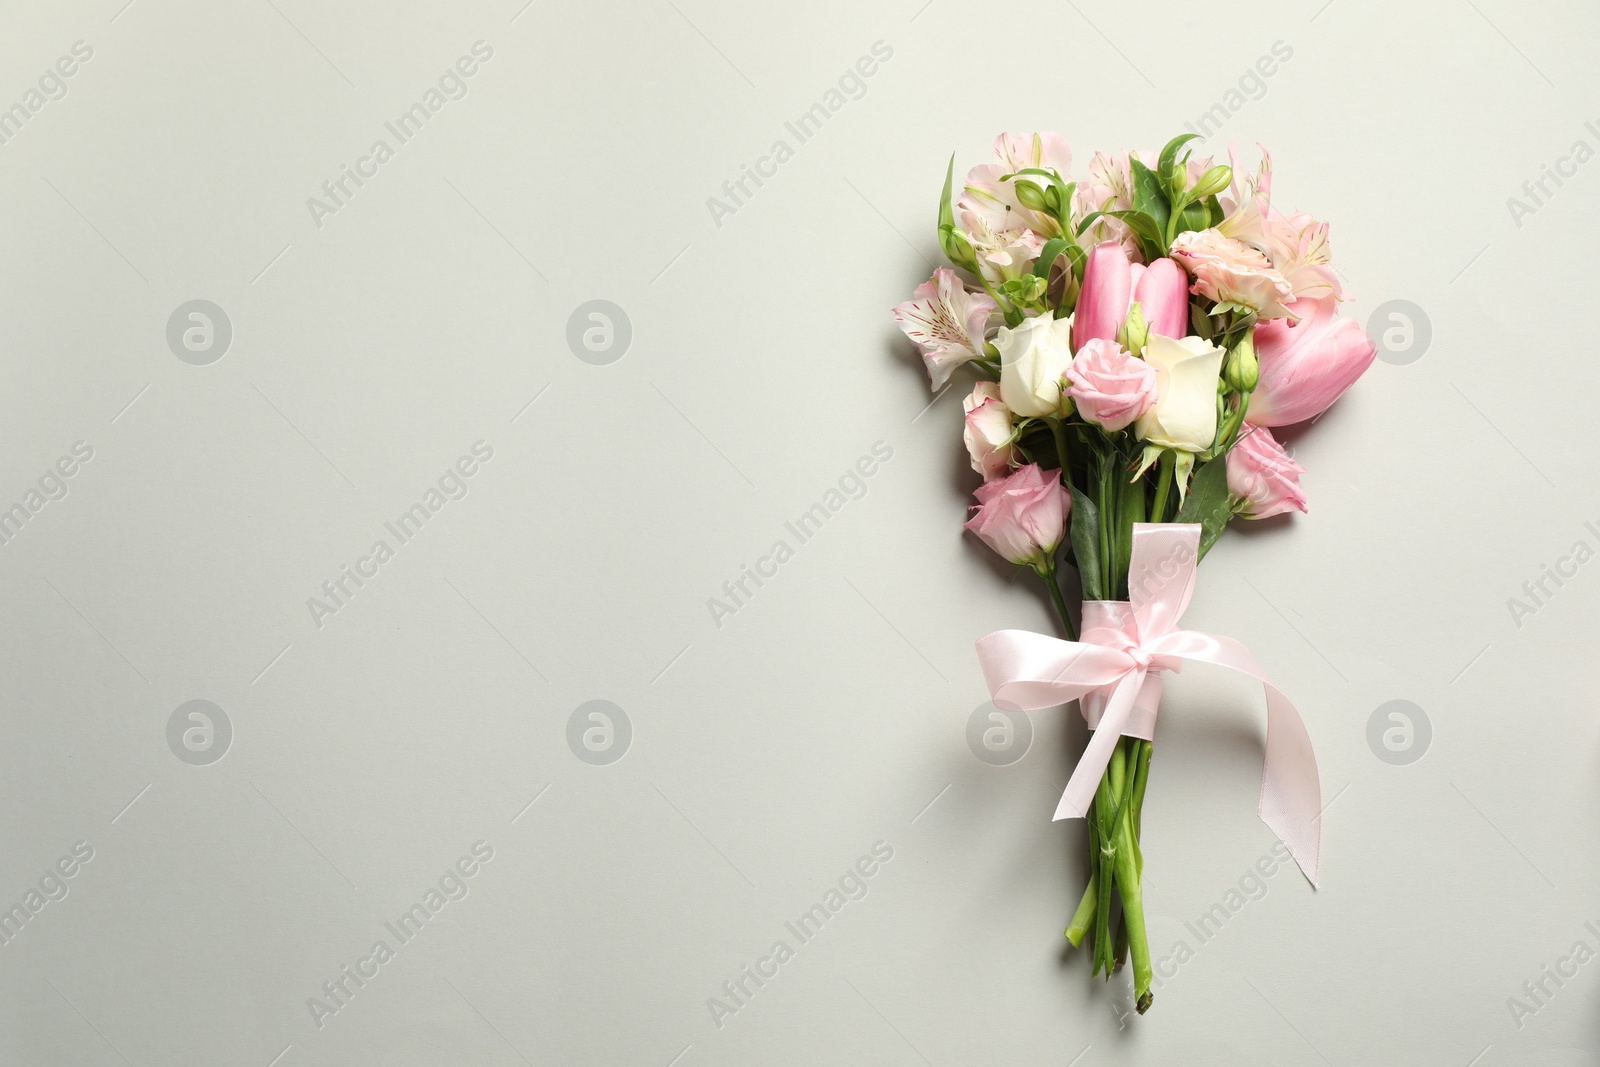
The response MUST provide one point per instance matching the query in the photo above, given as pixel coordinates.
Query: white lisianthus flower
(1184, 416)
(1034, 357)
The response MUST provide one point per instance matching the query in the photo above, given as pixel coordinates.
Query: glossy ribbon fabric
(1115, 669)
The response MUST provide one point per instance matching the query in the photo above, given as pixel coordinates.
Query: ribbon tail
(1097, 754)
(1291, 789)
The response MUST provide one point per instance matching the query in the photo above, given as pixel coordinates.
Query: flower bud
(1026, 289)
(1029, 195)
(1134, 331)
(1212, 181)
(1242, 369)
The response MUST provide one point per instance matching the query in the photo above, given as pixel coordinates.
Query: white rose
(1033, 359)
(1184, 416)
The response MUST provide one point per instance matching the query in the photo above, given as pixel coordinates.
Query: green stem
(1079, 926)
(1128, 887)
(1158, 509)
(1051, 581)
(1104, 844)
(1141, 778)
(1108, 568)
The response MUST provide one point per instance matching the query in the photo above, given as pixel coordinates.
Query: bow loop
(1115, 672)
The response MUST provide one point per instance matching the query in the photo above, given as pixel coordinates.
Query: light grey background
(830, 713)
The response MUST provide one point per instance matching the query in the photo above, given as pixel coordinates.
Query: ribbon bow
(1115, 673)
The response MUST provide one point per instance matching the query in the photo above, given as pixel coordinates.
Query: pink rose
(1229, 271)
(1110, 387)
(1262, 476)
(988, 432)
(1022, 516)
(1306, 365)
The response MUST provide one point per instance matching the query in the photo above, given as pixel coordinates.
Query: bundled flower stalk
(1136, 335)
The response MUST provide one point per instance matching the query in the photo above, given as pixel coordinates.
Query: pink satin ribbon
(1113, 671)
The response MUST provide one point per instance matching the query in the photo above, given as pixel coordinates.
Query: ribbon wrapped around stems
(1114, 672)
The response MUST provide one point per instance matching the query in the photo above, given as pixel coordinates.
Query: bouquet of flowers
(1136, 335)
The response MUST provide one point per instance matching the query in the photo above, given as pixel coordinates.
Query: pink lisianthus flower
(1262, 477)
(946, 323)
(1232, 273)
(1109, 387)
(1023, 516)
(1306, 365)
(988, 432)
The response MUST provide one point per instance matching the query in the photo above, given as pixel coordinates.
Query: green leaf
(1047, 256)
(1086, 543)
(1139, 222)
(1149, 198)
(947, 218)
(1207, 502)
(1213, 212)
(1079, 257)
(1170, 152)
(1055, 179)
(1193, 217)
(951, 240)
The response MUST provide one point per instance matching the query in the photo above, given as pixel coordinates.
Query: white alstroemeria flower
(946, 322)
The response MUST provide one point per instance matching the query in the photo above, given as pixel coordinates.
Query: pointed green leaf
(1047, 256)
(1085, 534)
(1170, 152)
(1149, 198)
(1207, 502)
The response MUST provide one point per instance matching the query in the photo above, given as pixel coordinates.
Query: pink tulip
(1306, 365)
(1103, 299)
(1111, 284)
(1022, 516)
(1262, 476)
(1162, 291)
